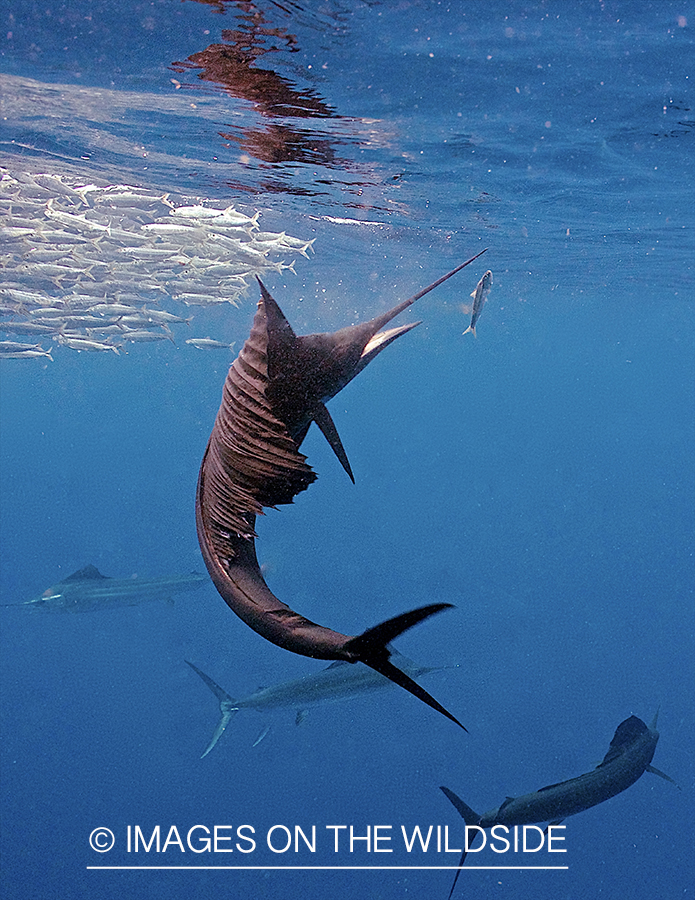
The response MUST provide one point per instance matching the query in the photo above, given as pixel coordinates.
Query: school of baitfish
(87, 266)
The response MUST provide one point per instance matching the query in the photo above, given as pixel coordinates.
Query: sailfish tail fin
(467, 814)
(469, 817)
(370, 648)
(227, 708)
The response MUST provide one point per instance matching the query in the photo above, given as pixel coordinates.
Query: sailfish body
(628, 758)
(277, 386)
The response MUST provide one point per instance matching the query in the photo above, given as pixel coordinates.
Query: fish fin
(655, 771)
(323, 419)
(277, 324)
(393, 673)
(370, 647)
(508, 800)
(227, 708)
(227, 713)
(469, 817)
(472, 330)
(458, 872)
(625, 734)
(88, 573)
(374, 639)
(552, 824)
(301, 715)
(219, 692)
(261, 735)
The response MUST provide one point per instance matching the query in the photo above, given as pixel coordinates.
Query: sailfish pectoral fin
(654, 771)
(323, 419)
(262, 735)
(370, 648)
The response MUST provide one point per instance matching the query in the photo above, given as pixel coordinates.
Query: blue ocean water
(539, 477)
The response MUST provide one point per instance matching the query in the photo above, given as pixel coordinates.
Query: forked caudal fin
(227, 708)
(469, 817)
(371, 648)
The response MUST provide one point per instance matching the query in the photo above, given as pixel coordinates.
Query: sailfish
(277, 386)
(629, 756)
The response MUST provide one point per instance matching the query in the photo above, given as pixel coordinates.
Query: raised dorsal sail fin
(88, 573)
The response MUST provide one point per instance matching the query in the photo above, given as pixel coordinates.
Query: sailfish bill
(277, 386)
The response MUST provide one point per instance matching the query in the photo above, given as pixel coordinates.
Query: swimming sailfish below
(87, 590)
(338, 681)
(629, 757)
(276, 387)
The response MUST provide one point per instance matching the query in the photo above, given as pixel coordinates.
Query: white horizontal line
(340, 868)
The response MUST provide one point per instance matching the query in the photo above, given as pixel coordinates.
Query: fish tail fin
(458, 872)
(471, 329)
(469, 816)
(219, 692)
(227, 714)
(371, 648)
(227, 708)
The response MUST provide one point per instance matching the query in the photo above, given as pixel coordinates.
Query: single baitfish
(479, 296)
(209, 344)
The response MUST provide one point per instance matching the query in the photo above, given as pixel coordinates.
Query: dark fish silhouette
(629, 757)
(277, 386)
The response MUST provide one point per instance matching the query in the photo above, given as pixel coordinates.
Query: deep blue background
(540, 477)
